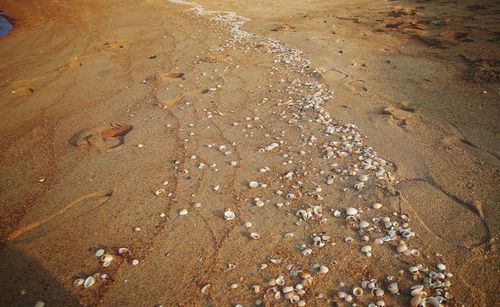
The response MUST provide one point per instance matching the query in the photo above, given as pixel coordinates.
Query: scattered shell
(287, 289)
(377, 206)
(78, 282)
(256, 288)
(393, 288)
(160, 192)
(351, 211)
(99, 252)
(280, 280)
(402, 247)
(248, 224)
(204, 288)
(135, 262)
(415, 301)
(337, 213)
(441, 267)
(348, 239)
(107, 258)
(234, 286)
(89, 282)
(323, 269)
(39, 304)
(357, 291)
(254, 236)
(366, 249)
(253, 184)
(229, 215)
(363, 178)
(197, 205)
(183, 212)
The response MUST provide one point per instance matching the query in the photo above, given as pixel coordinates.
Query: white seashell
(248, 224)
(317, 209)
(160, 192)
(183, 212)
(348, 239)
(307, 252)
(280, 280)
(197, 205)
(413, 270)
(256, 288)
(99, 252)
(380, 303)
(204, 288)
(323, 269)
(364, 224)
(377, 206)
(106, 263)
(78, 282)
(393, 288)
(287, 289)
(378, 292)
(402, 247)
(234, 286)
(441, 267)
(39, 304)
(122, 250)
(254, 236)
(263, 266)
(415, 252)
(357, 291)
(351, 211)
(258, 202)
(295, 299)
(107, 258)
(275, 261)
(253, 184)
(366, 249)
(348, 298)
(89, 282)
(135, 262)
(337, 213)
(229, 215)
(363, 178)
(301, 303)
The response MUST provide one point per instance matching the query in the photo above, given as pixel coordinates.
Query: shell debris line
(325, 157)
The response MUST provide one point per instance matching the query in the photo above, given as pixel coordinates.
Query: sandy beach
(250, 153)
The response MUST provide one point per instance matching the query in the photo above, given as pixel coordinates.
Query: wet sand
(116, 116)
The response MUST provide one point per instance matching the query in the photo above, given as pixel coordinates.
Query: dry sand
(105, 101)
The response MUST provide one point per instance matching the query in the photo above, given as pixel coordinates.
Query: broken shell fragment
(204, 289)
(99, 252)
(78, 282)
(107, 258)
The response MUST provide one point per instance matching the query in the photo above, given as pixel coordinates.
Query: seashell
(348, 239)
(301, 303)
(234, 286)
(363, 178)
(99, 252)
(259, 202)
(430, 302)
(366, 249)
(380, 303)
(323, 269)
(275, 261)
(287, 289)
(197, 205)
(317, 209)
(183, 212)
(107, 258)
(432, 275)
(299, 286)
(372, 285)
(89, 282)
(160, 192)
(289, 235)
(78, 282)
(204, 289)
(307, 252)
(280, 281)
(402, 247)
(256, 288)
(441, 267)
(254, 236)
(348, 298)
(393, 288)
(122, 250)
(337, 213)
(418, 292)
(263, 266)
(377, 206)
(415, 252)
(415, 301)
(351, 211)
(357, 291)
(253, 184)
(341, 294)
(135, 262)
(363, 224)
(295, 299)
(359, 185)
(378, 292)
(413, 270)
(106, 263)
(229, 215)
(277, 295)
(248, 224)
(39, 304)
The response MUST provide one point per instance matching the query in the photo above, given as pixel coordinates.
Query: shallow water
(5, 26)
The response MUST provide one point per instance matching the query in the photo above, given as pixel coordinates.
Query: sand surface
(117, 117)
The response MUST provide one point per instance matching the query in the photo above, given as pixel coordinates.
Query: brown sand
(101, 96)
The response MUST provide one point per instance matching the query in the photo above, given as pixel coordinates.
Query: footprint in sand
(442, 215)
(102, 138)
